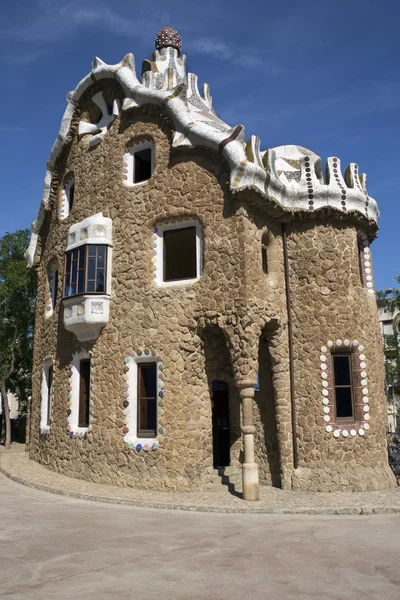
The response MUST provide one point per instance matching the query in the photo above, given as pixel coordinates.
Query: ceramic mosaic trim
(130, 401)
(366, 266)
(73, 430)
(195, 124)
(360, 390)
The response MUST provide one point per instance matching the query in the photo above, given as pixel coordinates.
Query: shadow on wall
(219, 368)
(265, 402)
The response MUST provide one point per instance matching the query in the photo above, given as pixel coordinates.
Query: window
(264, 252)
(84, 393)
(180, 260)
(52, 289)
(49, 394)
(142, 165)
(68, 195)
(139, 162)
(147, 400)
(85, 270)
(342, 377)
(46, 394)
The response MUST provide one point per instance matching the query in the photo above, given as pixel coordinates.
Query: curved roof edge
(291, 176)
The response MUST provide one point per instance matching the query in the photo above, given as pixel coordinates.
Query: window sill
(86, 315)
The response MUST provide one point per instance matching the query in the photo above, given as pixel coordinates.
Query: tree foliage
(17, 316)
(390, 300)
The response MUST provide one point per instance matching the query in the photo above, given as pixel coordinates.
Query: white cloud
(237, 55)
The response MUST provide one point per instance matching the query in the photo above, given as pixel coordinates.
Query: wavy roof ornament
(291, 176)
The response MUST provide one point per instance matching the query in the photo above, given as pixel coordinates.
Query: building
(202, 303)
(393, 399)
(12, 405)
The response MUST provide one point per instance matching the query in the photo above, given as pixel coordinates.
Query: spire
(168, 37)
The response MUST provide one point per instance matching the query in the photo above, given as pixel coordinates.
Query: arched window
(139, 162)
(68, 196)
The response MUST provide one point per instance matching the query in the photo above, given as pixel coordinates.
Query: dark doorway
(220, 424)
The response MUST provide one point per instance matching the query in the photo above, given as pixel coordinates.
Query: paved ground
(16, 464)
(54, 548)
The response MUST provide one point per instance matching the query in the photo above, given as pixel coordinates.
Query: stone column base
(251, 487)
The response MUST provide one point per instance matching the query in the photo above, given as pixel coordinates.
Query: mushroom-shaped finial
(170, 38)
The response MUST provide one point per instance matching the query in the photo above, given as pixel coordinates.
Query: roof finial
(170, 38)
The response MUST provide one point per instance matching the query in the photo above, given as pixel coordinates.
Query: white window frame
(44, 393)
(51, 281)
(129, 161)
(159, 237)
(73, 418)
(65, 208)
(131, 412)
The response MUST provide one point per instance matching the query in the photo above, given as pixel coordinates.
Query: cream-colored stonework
(227, 325)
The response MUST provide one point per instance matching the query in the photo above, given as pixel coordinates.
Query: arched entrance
(220, 424)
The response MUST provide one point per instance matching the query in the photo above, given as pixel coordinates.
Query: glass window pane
(72, 289)
(100, 281)
(148, 383)
(82, 253)
(344, 405)
(92, 250)
(180, 254)
(142, 166)
(74, 271)
(151, 414)
(91, 267)
(81, 281)
(341, 365)
(90, 286)
(101, 256)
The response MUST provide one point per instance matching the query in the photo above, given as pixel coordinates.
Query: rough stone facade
(228, 326)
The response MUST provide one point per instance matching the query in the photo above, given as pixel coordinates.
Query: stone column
(251, 488)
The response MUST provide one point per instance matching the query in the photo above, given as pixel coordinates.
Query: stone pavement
(57, 548)
(16, 465)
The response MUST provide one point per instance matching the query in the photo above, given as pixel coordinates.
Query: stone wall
(226, 326)
(142, 315)
(330, 304)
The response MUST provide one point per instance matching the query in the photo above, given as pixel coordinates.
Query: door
(220, 424)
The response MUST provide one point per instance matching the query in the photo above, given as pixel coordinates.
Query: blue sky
(324, 75)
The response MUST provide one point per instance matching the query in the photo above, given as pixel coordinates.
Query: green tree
(17, 316)
(390, 300)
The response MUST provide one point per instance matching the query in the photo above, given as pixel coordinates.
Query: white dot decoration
(367, 270)
(366, 250)
(369, 284)
(362, 414)
(368, 278)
